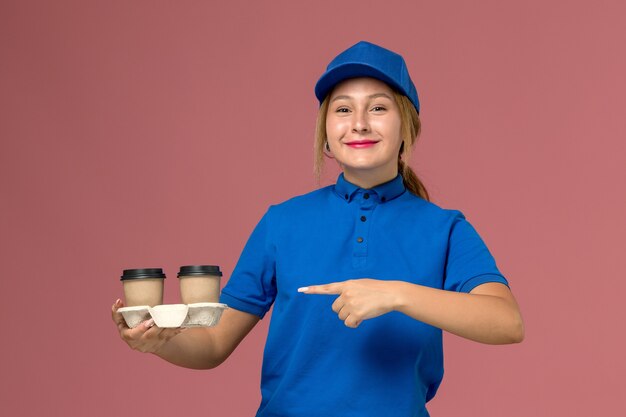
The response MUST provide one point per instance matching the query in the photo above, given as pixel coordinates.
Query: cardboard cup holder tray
(175, 315)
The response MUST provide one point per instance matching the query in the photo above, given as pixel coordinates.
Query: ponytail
(411, 182)
(410, 129)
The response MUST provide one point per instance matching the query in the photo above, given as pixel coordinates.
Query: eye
(379, 108)
(342, 110)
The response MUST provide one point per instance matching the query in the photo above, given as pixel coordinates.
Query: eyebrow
(377, 95)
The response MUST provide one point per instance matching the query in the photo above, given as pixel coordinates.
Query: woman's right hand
(146, 337)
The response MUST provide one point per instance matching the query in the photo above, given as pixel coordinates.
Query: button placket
(367, 203)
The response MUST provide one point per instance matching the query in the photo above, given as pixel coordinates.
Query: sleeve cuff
(244, 306)
(472, 283)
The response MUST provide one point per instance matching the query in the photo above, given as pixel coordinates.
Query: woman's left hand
(359, 299)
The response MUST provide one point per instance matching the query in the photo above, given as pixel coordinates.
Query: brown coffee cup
(199, 283)
(143, 287)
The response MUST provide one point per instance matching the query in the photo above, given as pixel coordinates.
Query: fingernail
(149, 323)
(303, 289)
(117, 302)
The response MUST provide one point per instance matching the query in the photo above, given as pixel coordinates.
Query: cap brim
(331, 78)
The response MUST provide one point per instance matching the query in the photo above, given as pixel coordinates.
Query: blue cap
(368, 60)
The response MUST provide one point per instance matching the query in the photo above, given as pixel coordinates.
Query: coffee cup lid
(191, 270)
(142, 273)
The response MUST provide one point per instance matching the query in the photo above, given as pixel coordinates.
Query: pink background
(156, 133)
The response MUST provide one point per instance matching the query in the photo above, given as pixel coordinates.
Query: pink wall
(152, 133)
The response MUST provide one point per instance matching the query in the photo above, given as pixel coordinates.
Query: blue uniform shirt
(313, 364)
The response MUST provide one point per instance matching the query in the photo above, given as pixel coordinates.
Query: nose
(360, 122)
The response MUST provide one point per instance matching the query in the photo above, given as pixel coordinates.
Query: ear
(327, 151)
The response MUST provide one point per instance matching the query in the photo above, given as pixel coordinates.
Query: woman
(362, 275)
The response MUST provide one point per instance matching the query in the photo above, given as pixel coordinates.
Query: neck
(367, 179)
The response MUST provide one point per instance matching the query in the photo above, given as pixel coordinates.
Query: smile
(362, 144)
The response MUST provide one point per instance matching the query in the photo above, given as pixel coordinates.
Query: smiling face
(363, 128)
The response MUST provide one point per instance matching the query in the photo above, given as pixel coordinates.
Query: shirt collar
(385, 192)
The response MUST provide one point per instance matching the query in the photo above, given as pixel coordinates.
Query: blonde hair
(410, 129)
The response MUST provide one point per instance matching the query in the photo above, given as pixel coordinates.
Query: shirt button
(346, 196)
(383, 199)
(363, 218)
(366, 196)
(359, 239)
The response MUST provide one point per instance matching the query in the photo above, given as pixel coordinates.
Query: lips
(366, 143)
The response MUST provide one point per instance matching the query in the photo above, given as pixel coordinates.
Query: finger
(153, 331)
(343, 314)
(114, 310)
(116, 306)
(161, 334)
(352, 322)
(138, 331)
(167, 334)
(338, 304)
(121, 324)
(333, 288)
(117, 317)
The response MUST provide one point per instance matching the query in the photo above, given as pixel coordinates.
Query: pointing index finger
(332, 288)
